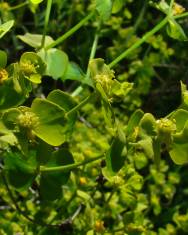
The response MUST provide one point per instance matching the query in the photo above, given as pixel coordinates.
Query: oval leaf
(104, 8)
(56, 61)
(4, 28)
(34, 40)
(52, 123)
(19, 172)
(51, 182)
(175, 31)
(115, 157)
(3, 59)
(179, 148)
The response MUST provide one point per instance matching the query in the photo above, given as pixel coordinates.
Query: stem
(77, 91)
(140, 17)
(181, 15)
(92, 56)
(70, 166)
(110, 196)
(18, 6)
(47, 16)
(170, 8)
(71, 31)
(139, 42)
(77, 107)
(77, 212)
(23, 213)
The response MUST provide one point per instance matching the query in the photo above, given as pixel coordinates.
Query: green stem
(18, 6)
(140, 17)
(47, 16)
(185, 14)
(77, 107)
(70, 166)
(92, 56)
(71, 31)
(171, 7)
(139, 42)
(77, 91)
(19, 210)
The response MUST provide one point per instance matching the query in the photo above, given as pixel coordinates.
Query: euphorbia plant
(34, 139)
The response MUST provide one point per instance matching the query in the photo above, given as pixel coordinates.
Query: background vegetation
(140, 199)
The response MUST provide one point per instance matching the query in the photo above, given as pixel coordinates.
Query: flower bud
(28, 120)
(3, 75)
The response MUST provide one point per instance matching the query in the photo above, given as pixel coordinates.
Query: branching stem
(71, 31)
(70, 166)
(18, 6)
(47, 16)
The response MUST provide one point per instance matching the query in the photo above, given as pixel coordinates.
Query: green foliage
(34, 40)
(104, 8)
(32, 67)
(116, 155)
(56, 61)
(175, 31)
(19, 171)
(51, 182)
(4, 28)
(78, 154)
(3, 59)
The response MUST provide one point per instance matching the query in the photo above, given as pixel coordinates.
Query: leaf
(120, 90)
(115, 157)
(184, 96)
(106, 106)
(9, 97)
(36, 1)
(66, 102)
(52, 123)
(162, 6)
(63, 99)
(73, 72)
(104, 8)
(10, 117)
(21, 84)
(56, 61)
(43, 152)
(175, 31)
(134, 121)
(179, 147)
(34, 40)
(85, 196)
(20, 172)
(6, 136)
(117, 6)
(51, 182)
(3, 59)
(180, 116)
(4, 28)
(148, 124)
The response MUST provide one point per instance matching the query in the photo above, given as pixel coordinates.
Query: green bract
(88, 152)
(32, 67)
(56, 61)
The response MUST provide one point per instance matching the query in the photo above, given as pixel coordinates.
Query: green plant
(35, 138)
